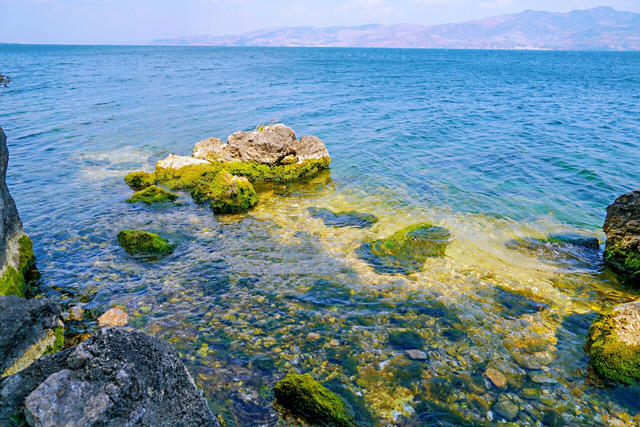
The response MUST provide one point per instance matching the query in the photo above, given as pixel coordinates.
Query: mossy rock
(614, 344)
(259, 172)
(304, 396)
(209, 183)
(406, 251)
(12, 281)
(140, 180)
(143, 243)
(153, 195)
(343, 219)
(628, 260)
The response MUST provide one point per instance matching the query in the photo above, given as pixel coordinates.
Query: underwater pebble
(497, 378)
(506, 408)
(312, 336)
(541, 378)
(113, 317)
(74, 313)
(415, 354)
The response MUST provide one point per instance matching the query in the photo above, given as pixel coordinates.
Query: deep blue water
(493, 145)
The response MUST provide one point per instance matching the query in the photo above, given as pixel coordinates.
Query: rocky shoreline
(127, 377)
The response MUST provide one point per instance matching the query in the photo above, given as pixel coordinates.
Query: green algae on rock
(143, 243)
(140, 180)
(614, 344)
(622, 227)
(344, 218)
(406, 251)
(12, 281)
(303, 395)
(153, 195)
(260, 172)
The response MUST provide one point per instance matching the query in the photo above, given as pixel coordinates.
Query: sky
(141, 21)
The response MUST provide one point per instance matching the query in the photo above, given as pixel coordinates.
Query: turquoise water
(493, 146)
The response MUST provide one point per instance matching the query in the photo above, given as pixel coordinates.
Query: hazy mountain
(601, 28)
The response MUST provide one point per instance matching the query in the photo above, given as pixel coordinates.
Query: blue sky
(140, 21)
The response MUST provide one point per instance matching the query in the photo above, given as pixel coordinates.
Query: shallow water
(496, 147)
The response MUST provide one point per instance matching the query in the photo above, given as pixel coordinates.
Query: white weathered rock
(178, 162)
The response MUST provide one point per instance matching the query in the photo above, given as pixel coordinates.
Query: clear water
(494, 146)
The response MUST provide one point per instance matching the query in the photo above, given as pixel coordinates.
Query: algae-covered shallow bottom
(537, 145)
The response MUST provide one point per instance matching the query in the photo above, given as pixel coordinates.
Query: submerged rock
(153, 195)
(140, 180)
(406, 251)
(622, 227)
(16, 249)
(614, 344)
(343, 219)
(118, 377)
(506, 408)
(565, 250)
(28, 329)
(304, 396)
(143, 243)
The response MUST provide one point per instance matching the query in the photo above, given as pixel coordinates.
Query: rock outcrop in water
(28, 329)
(222, 174)
(16, 250)
(622, 227)
(118, 377)
(303, 395)
(140, 243)
(614, 344)
(406, 251)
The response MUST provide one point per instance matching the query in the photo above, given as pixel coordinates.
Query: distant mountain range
(601, 28)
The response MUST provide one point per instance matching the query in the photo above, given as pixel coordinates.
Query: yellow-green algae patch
(12, 281)
(211, 183)
(305, 396)
(140, 180)
(259, 172)
(153, 195)
(142, 243)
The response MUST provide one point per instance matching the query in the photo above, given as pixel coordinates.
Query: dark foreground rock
(614, 344)
(343, 219)
(406, 251)
(28, 329)
(16, 251)
(118, 377)
(622, 228)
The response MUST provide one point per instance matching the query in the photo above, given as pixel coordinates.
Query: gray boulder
(268, 145)
(16, 253)
(118, 377)
(28, 329)
(209, 149)
(622, 227)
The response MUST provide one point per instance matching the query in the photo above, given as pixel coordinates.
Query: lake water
(500, 148)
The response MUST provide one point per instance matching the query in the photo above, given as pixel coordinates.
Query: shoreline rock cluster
(117, 377)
